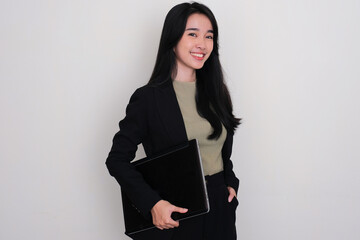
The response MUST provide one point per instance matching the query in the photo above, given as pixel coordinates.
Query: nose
(200, 43)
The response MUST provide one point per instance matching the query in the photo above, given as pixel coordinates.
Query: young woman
(186, 98)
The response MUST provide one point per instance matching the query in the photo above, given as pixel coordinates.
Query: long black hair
(213, 100)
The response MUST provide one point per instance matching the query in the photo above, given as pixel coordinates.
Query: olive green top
(199, 128)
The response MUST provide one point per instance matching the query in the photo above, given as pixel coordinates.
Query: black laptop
(177, 176)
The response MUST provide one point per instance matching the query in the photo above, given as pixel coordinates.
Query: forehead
(200, 21)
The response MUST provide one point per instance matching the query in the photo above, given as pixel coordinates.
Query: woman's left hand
(232, 194)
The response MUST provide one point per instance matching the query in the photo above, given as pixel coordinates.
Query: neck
(184, 74)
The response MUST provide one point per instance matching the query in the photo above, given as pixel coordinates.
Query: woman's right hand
(161, 214)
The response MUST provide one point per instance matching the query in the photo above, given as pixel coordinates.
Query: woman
(186, 98)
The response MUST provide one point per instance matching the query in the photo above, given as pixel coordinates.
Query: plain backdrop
(68, 68)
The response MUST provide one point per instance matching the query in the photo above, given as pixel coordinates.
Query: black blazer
(153, 118)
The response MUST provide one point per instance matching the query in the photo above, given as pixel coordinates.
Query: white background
(68, 68)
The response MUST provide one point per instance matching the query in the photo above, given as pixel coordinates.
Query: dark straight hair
(213, 100)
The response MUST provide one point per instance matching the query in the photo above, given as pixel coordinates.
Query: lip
(198, 57)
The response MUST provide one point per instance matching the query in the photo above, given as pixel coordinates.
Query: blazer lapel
(170, 113)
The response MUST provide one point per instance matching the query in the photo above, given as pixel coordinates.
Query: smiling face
(195, 45)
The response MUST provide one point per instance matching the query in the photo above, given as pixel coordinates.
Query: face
(196, 44)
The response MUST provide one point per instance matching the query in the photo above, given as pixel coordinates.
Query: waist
(215, 180)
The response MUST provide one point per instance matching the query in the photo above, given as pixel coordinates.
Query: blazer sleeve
(230, 178)
(133, 130)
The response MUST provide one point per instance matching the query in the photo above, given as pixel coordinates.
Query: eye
(192, 34)
(209, 37)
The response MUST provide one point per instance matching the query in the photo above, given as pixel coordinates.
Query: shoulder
(148, 91)
(144, 92)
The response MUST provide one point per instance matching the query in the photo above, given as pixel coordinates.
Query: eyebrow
(196, 29)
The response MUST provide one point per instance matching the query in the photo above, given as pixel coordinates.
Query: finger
(168, 226)
(173, 223)
(231, 190)
(180, 210)
(230, 198)
(159, 227)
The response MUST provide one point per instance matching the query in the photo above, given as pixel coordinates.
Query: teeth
(197, 54)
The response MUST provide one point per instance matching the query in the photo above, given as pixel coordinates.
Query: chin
(198, 66)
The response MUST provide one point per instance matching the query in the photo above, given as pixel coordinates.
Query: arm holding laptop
(133, 131)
